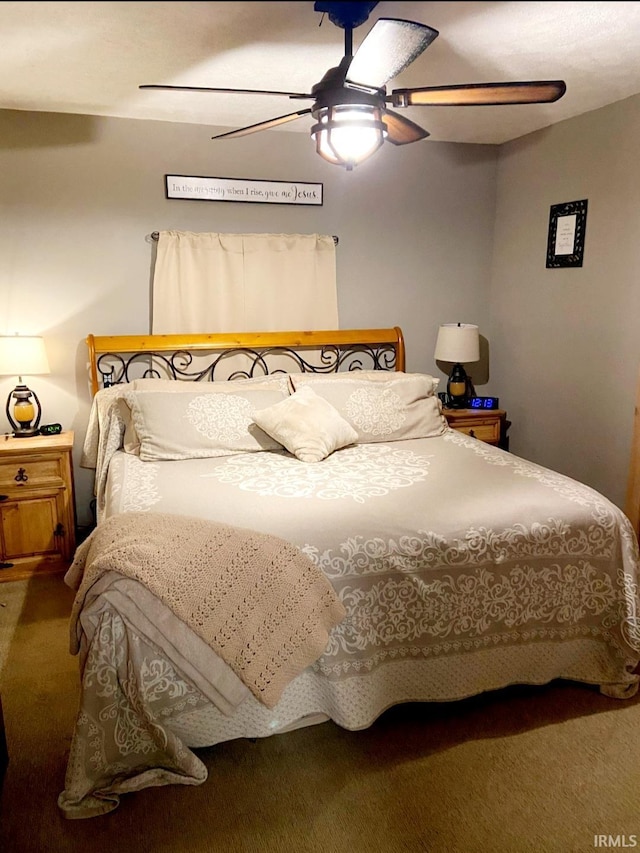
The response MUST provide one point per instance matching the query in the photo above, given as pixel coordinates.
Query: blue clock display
(483, 403)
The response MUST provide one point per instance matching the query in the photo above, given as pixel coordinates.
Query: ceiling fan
(350, 101)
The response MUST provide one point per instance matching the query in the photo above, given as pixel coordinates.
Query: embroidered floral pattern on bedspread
(121, 726)
(470, 604)
(361, 472)
(572, 489)
(359, 556)
(142, 491)
(523, 584)
(606, 521)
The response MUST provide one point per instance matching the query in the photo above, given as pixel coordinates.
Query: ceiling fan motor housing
(346, 15)
(331, 90)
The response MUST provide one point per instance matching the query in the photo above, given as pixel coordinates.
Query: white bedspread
(462, 568)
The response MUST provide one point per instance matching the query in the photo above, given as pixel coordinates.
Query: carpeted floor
(525, 770)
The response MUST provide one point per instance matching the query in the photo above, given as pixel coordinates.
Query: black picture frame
(567, 227)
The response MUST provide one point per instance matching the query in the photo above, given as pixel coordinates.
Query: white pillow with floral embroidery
(429, 383)
(388, 407)
(307, 425)
(197, 425)
(273, 382)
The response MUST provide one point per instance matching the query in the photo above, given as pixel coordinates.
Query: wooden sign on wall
(197, 188)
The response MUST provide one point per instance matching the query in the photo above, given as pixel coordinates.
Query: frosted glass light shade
(458, 342)
(348, 134)
(22, 355)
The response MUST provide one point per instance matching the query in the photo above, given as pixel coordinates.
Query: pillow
(130, 440)
(101, 404)
(131, 443)
(398, 406)
(197, 425)
(271, 382)
(430, 382)
(307, 425)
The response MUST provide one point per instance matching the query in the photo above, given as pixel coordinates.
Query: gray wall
(565, 343)
(79, 195)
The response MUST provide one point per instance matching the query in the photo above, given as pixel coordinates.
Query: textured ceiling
(90, 58)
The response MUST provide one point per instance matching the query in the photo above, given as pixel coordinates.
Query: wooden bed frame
(114, 359)
(632, 505)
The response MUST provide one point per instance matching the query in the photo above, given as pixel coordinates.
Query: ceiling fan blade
(159, 86)
(401, 131)
(262, 125)
(388, 48)
(479, 94)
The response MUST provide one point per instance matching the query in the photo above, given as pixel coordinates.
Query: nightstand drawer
(31, 473)
(484, 431)
(489, 426)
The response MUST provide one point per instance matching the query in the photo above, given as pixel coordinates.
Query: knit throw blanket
(257, 601)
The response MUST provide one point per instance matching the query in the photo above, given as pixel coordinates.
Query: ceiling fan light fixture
(350, 101)
(348, 134)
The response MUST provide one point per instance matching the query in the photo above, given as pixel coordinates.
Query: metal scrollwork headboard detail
(115, 369)
(120, 359)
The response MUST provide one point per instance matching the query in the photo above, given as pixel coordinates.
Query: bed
(288, 532)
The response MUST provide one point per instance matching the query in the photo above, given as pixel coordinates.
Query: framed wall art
(567, 226)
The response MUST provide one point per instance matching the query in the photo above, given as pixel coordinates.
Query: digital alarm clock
(483, 403)
(50, 429)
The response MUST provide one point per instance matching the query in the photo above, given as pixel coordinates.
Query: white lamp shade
(458, 342)
(22, 355)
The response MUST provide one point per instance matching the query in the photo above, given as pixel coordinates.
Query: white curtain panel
(206, 283)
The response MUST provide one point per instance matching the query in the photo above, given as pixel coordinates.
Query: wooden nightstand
(490, 425)
(37, 507)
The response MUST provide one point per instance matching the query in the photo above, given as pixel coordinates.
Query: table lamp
(458, 343)
(23, 355)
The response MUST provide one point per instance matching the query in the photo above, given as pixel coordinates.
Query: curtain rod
(156, 234)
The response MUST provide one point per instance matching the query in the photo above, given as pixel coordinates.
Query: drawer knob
(472, 433)
(21, 476)
(4, 497)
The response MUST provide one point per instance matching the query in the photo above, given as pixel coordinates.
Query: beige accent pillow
(198, 425)
(307, 425)
(392, 407)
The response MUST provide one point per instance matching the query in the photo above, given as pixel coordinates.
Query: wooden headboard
(114, 359)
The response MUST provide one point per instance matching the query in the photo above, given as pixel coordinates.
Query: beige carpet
(537, 770)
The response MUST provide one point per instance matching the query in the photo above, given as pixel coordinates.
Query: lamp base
(29, 432)
(26, 412)
(458, 388)
(457, 404)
